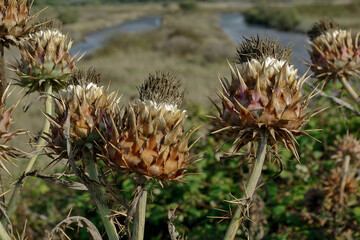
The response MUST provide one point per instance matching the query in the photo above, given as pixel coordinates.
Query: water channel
(233, 24)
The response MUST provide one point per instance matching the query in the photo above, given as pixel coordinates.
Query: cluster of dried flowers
(262, 105)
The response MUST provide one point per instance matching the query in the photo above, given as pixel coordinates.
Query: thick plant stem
(99, 198)
(249, 189)
(14, 199)
(350, 90)
(3, 83)
(139, 221)
(2, 90)
(343, 180)
(3, 234)
(46, 128)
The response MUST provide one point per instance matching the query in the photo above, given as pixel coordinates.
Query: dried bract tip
(15, 21)
(45, 60)
(262, 48)
(263, 98)
(91, 110)
(5, 134)
(84, 77)
(151, 139)
(348, 145)
(333, 52)
(162, 88)
(322, 27)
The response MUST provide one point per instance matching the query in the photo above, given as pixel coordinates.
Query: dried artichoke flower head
(15, 21)
(331, 186)
(333, 52)
(45, 60)
(150, 140)
(90, 109)
(263, 97)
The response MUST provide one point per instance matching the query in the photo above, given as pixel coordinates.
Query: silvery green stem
(46, 128)
(14, 199)
(343, 180)
(249, 189)
(350, 90)
(139, 221)
(3, 234)
(99, 198)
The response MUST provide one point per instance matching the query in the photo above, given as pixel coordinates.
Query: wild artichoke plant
(90, 109)
(264, 96)
(334, 54)
(45, 61)
(15, 21)
(150, 139)
(263, 103)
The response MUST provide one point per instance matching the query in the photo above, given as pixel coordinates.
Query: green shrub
(187, 5)
(280, 18)
(68, 15)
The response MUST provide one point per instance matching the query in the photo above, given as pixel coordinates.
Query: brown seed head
(333, 52)
(263, 97)
(45, 59)
(150, 139)
(261, 48)
(331, 186)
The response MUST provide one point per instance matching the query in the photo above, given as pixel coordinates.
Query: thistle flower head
(15, 21)
(263, 97)
(348, 145)
(150, 139)
(90, 109)
(333, 52)
(45, 60)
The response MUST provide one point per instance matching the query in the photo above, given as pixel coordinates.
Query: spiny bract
(150, 139)
(45, 60)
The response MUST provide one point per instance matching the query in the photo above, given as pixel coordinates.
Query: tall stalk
(98, 196)
(139, 221)
(3, 82)
(2, 90)
(14, 199)
(249, 189)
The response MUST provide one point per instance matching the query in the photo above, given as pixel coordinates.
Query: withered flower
(347, 145)
(90, 109)
(332, 184)
(333, 52)
(15, 21)
(45, 61)
(264, 96)
(150, 139)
